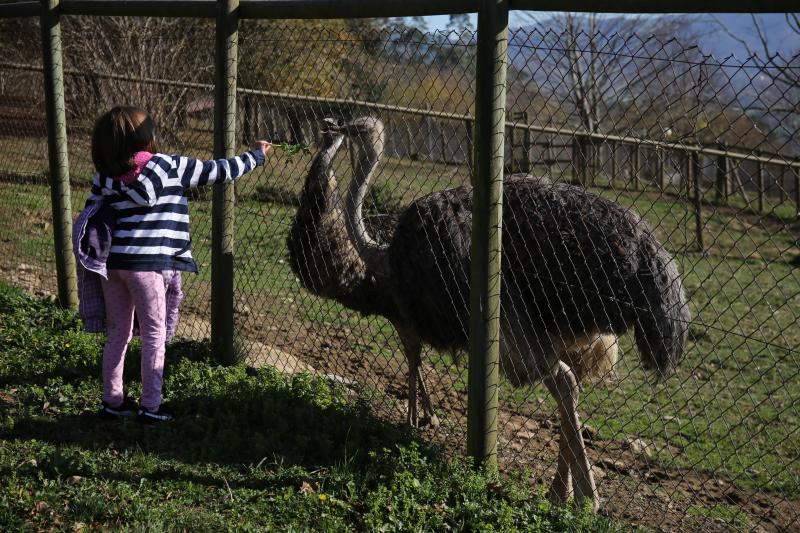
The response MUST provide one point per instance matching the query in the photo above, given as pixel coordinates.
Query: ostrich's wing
(567, 257)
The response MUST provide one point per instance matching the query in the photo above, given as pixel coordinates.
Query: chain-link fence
(704, 150)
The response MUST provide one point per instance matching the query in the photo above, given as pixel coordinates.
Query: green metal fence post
(224, 194)
(57, 153)
(490, 104)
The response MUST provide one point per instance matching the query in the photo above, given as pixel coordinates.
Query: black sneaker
(151, 418)
(126, 409)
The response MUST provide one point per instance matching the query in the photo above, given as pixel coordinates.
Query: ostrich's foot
(427, 420)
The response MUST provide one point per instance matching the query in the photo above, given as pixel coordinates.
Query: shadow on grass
(235, 423)
(233, 416)
(80, 357)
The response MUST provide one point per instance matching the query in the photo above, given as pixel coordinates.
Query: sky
(780, 35)
(439, 22)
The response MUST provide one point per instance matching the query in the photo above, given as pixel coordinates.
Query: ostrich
(327, 263)
(576, 267)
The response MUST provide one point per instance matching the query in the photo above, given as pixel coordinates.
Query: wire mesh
(705, 151)
(26, 242)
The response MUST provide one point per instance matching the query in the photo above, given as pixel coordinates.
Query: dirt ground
(633, 488)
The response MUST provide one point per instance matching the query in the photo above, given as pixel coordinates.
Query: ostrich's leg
(412, 356)
(427, 405)
(413, 350)
(561, 489)
(564, 387)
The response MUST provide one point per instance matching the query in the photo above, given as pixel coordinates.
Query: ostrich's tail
(662, 313)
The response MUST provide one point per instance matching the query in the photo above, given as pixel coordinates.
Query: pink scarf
(140, 159)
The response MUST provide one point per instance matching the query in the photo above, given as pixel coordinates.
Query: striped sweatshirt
(152, 223)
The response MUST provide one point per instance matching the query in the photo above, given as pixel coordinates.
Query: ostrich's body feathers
(573, 265)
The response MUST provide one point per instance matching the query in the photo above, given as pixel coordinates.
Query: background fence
(645, 120)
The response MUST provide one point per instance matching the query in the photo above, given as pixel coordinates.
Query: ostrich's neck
(322, 254)
(321, 191)
(320, 196)
(373, 253)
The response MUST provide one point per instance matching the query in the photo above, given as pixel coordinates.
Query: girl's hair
(117, 135)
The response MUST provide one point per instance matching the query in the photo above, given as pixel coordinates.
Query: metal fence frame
(488, 145)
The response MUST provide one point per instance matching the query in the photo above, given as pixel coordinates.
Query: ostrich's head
(331, 141)
(320, 178)
(331, 133)
(368, 133)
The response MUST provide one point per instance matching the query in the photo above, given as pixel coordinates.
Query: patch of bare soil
(633, 487)
(33, 278)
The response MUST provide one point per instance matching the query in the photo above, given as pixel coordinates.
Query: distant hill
(712, 38)
(723, 39)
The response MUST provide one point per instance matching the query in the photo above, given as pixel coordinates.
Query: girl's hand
(264, 146)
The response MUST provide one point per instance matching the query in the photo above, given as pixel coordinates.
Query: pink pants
(124, 291)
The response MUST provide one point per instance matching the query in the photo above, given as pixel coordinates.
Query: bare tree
(783, 69)
(775, 88)
(126, 60)
(600, 67)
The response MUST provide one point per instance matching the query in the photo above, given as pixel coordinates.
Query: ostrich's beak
(331, 131)
(330, 125)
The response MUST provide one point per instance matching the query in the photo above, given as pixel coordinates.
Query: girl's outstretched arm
(171, 175)
(197, 173)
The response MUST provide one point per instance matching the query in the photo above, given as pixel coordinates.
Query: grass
(251, 450)
(730, 410)
(732, 517)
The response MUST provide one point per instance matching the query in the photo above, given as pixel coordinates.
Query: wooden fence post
(660, 168)
(613, 148)
(249, 119)
(443, 140)
(579, 161)
(574, 157)
(428, 141)
(526, 150)
(223, 198)
(721, 185)
(470, 150)
(687, 180)
(796, 173)
(411, 145)
(694, 176)
(760, 184)
(782, 185)
(487, 217)
(635, 167)
(57, 155)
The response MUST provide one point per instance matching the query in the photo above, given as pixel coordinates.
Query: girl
(146, 190)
